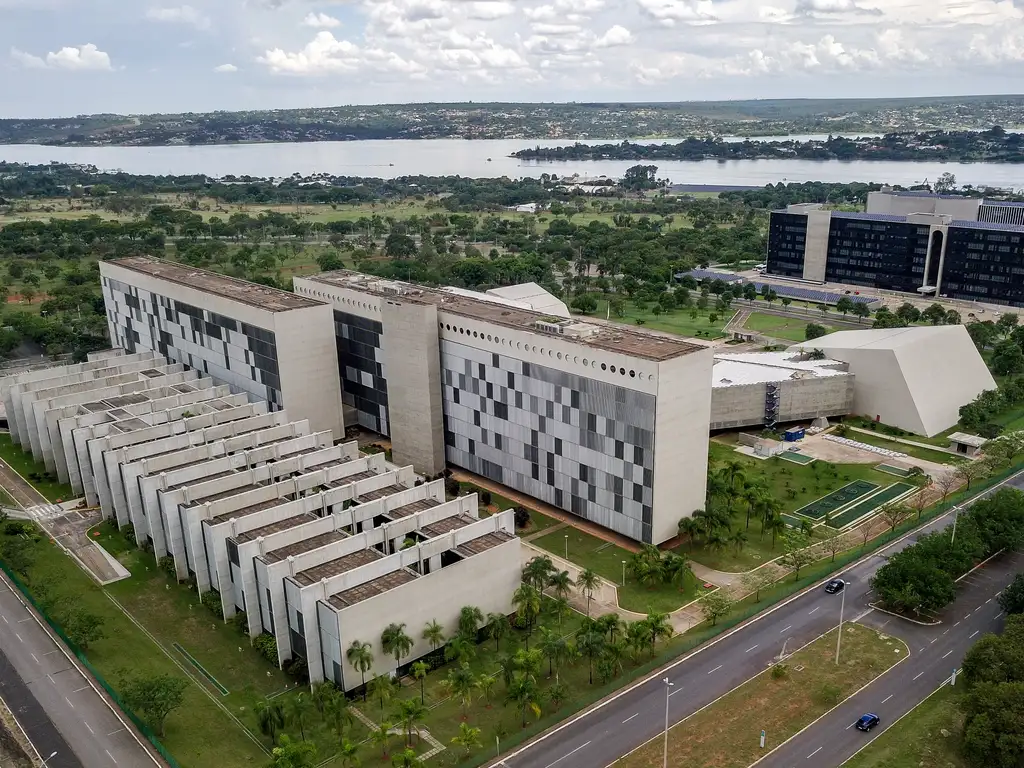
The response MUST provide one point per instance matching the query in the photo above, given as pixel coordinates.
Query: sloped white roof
(877, 338)
(763, 367)
(534, 296)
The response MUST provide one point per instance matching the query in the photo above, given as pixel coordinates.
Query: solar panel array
(790, 291)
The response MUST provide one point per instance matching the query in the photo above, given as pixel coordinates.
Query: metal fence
(144, 729)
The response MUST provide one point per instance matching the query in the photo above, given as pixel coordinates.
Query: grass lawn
(941, 439)
(790, 328)
(918, 741)
(30, 469)
(678, 321)
(913, 451)
(605, 559)
(725, 735)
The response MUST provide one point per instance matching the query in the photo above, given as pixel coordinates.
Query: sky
(69, 57)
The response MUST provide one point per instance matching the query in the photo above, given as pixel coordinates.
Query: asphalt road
(54, 702)
(630, 718)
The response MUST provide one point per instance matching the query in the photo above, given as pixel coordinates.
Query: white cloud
(324, 54)
(669, 12)
(182, 14)
(616, 36)
(78, 58)
(320, 21)
(225, 68)
(489, 10)
(557, 29)
(827, 7)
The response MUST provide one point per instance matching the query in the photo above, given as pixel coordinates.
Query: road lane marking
(34, 658)
(999, 614)
(115, 761)
(974, 633)
(90, 728)
(921, 673)
(630, 718)
(19, 637)
(813, 610)
(83, 688)
(121, 729)
(581, 746)
(814, 752)
(988, 601)
(69, 702)
(5, 620)
(887, 698)
(957, 624)
(716, 669)
(933, 640)
(947, 654)
(785, 629)
(750, 649)
(945, 631)
(850, 726)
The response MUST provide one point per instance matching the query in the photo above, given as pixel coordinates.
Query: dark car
(867, 722)
(835, 586)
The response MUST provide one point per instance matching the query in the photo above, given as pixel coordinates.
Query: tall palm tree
(588, 582)
(590, 642)
(460, 683)
(776, 525)
(737, 539)
(553, 646)
(348, 754)
(537, 572)
(340, 713)
(561, 584)
(507, 668)
(525, 694)
(433, 633)
(407, 714)
(752, 495)
(658, 627)
(382, 688)
(735, 473)
(360, 656)
(675, 570)
(395, 641)
(609, 624)
(636, 637)
(407, 758)
(486, 683)
(323, 694)
(689, 528)
(526, 599)
(270, 717)
(382, 736)
(296, 712)
(497, 626)
(419, 670)
(459, 649)
(470, 619)
(468, 738)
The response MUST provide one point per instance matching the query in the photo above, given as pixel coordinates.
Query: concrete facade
(273, 345)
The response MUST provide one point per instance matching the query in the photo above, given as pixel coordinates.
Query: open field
(789, 328)
(679, 321)
(911, 450)
(725, 735)
(33, 471)
(927, 737)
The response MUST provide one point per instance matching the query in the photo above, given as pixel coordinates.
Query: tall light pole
(623, 573)
(668, 689)
(956, 515)
(839, 637)
(53, 755)
(567, 546)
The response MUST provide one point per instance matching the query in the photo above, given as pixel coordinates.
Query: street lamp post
(956, 515)
(52, 755)
(668, 688)
(623, 573)
(567, 546)
(839, 637)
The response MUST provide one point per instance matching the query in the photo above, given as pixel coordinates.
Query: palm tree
(776, 525)
(588, 581)
(270, 718)
(507, 668)
(296, 712)
(290, 754)
(340, 713)
(735, 471)
(348, 754)
(529, 661)
(537, 572)
(323, 694)
(470, 619)
(497, 627)
(590, 642)
(459, 683)
(395, 641)
(525, 693)
(486, 685)
(675, 570)
(769, 507)
(658, 628)
(689, 528)
(407, 758)
(737, 539)
(752, 495)
(433, 633)
(419, 670)
(382, 736)
(614, 652)
(553, 646)
(806, 528)
(360, 657)
(561, 584)
(459, 649)
(609, 624)
(526, 599)
(382, 688)
(636, 637)
(407, 714)
(468, 738)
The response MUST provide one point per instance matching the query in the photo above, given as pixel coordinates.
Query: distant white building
(913, 378)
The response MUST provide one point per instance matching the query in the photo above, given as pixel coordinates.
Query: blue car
(867, 722)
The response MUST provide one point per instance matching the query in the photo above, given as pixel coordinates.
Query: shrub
(241, 622)
(522, 516)
(211, 601)
(779, 671)
(267, 647)
(166, 564)
(17, 528)
(129, 533)
(452, 487)
(298, 669)
(485, 498)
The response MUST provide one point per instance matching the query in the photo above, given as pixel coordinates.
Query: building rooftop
(301, 547)
(380, 493)
(763, 367)
(275, 527)
(483, 543)
(336, 567)
(251, 509)
(607, 336)
(447, 525)
(969, 224)
(407, 510)
(242, 291)
(372, 588)
(881, 338)
(975, 441)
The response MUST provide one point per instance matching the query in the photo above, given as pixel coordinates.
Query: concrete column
(816, 245)
(942, 260)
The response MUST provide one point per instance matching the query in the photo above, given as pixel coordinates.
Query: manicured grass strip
(776, 326)
(859, 510)
(33, 471)
(796, 458)
(891, 470)
(837, 499)
(725, 734)
(792, 522)
(928, 737)
(213, 680)
(914, 451)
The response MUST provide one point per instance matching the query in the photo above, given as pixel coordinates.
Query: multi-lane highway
(628, 719)
(60, 710)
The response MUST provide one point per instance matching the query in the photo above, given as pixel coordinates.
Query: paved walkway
(927, 446)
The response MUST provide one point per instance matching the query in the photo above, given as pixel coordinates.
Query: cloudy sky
(65, 57)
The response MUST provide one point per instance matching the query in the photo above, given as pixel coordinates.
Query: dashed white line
(581, 746)
(933, 640)
(115, 761)
(5, 620)
(715, 669)
(999, 614)
(19, 637)
(750, 649)
(813, 610)
(69, 702)
(988, 601)
(83, 688)
(34, 658)
(945, 631)
(947, 654)
(90, 728)
(814, 752)
(887, 698)
(957, 624)
(630, 718)
(918, 675)
(974, 633)
(121, 729)
(850, 726)
(785, 629)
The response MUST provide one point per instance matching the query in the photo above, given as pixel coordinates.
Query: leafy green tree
(997, 659)
(525, 694)
(433, 633)
(994, 725)
(798, 553)
(844, 305)
(348, 754)
(293, 754)
(297, 711)
(1012, 598)
(585, 304)
(497, 627)
(407, 758)
(470, 619)
(815, 331)
(420, 670)
(395, 641)
(408, 713)
(338, 712)
(588, 582)
(468, 738)
(526, 600)
(1008, 358)
(269, 717)
(459, 683)
(715, 605)
(382, 688)
(153, 698)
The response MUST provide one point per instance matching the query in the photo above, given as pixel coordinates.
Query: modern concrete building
(275, 346)
(938, 245)
(770, 388)
(913, 378)
(602, 421)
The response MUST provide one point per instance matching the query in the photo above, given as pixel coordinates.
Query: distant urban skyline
(59, 57)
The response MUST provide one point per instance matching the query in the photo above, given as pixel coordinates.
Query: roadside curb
(905, 618)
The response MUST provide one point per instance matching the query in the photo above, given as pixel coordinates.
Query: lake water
(483, 159)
